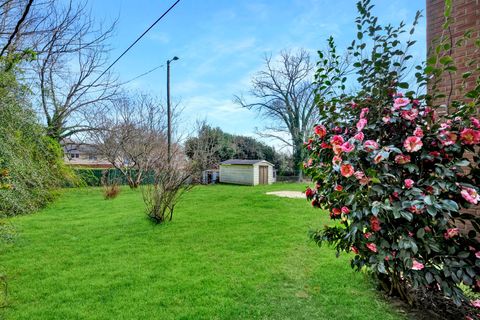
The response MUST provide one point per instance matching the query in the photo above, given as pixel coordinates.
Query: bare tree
(71, 52)
(131, 136)
(283, 93)
(70, 58)
(10, 29)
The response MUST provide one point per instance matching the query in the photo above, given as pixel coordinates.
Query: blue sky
(221, 44)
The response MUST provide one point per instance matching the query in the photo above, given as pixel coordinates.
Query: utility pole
(169, 112)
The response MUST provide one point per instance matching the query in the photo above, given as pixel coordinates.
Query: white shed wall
(256, 174)
(237, 174)
(270, 175)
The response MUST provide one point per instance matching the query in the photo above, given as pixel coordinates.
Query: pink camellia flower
(400, 102)
(370, 145)
(450, 233)
(375, 224)
(470, 194)
(416, 209)
(378, 158)
(364, 181)
(336, 139)
(354, 249)
(402, 159)
(417, 265)
(337, 130)
(320, 131)
(308, 164)
(336, 211)
(345, 210)
(444, 126)
(338, 187)
(367, 235)
(336, 160)
(476, 303)
(361, 124)
(347, 147)
(347, 170)
(447, 138)
(386, 119)
(418, 132)
(309, 193)
(359, 175)
(363, 113)
(477, 254)
(413, 144)
(372, 247)
(362, 178)
(409, 114)
(408, 183)
(359, 136)
(475, 122)
(325, 145)
(470, 136)
(337, 149)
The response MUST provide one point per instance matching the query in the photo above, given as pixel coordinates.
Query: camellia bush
(393, 172)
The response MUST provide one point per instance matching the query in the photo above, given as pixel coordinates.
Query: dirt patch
(288, 194)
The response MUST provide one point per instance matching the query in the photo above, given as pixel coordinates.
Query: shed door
(263, 174)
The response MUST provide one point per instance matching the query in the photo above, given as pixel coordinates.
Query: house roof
(244, 162)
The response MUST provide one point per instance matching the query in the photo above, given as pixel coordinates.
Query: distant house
(247, 172)
(82, 155)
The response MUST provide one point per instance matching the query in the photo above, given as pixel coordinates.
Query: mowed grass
(231, 252)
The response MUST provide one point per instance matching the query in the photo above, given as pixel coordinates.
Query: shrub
(31, 165)
(111, 191)
(393, 173)
(161, 197)
(110, 183)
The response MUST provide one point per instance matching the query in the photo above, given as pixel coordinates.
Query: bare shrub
(171, 181)
(110, 182)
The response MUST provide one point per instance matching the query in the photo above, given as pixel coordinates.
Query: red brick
(465, 16)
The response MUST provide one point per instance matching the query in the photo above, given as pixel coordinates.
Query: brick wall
(465, 16)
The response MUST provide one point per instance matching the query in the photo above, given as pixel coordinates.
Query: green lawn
(231, 252)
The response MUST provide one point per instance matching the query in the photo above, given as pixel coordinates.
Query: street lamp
(169, 115)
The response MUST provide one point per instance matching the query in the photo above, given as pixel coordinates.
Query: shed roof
(244, 162)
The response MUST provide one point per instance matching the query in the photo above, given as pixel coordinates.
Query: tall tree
(71, 52)
(284, 93)
(70, 58)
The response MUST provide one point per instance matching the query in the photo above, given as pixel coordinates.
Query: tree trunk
(298, 158)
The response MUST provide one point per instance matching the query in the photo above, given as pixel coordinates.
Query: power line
(142, 75)
(135, 42)
(133, 79)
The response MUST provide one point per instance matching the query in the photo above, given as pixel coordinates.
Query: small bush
(162, 196)
(111, 191)
(110, 182)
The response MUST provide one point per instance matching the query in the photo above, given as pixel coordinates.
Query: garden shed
(247, 172)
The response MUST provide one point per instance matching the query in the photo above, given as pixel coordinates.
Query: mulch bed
(433, 306)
